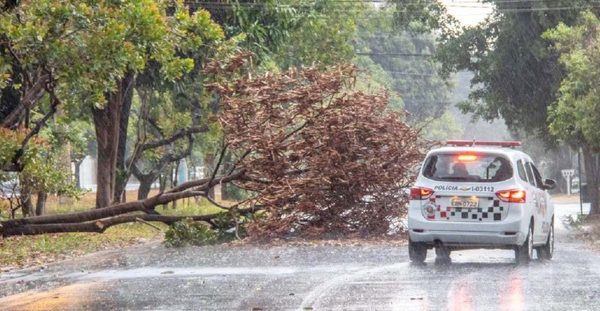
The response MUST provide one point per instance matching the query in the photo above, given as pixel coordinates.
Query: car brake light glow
(467, 157)
(420, 193)
(471, 143)
(512, 196)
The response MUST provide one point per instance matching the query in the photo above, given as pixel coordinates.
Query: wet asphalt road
(323, 277)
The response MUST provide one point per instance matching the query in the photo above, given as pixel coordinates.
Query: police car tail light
(512, 196)
(467, 157)
(420, 193)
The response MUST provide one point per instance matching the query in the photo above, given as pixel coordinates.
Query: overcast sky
(468, 12)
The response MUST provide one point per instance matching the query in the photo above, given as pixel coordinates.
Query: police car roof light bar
(470, 143)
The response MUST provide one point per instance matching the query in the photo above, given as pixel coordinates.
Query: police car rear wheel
(417, 252)
(545, 252)
(524, 252)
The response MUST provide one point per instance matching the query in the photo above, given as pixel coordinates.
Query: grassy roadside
(26, 251)
(588, 231)
(565, 199)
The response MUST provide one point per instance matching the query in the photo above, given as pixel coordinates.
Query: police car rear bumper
(469, 239)
(468, 235)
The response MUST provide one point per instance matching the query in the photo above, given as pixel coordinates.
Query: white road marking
(154, 272)
(314, 296)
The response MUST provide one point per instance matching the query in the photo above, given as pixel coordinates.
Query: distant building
(87, 175)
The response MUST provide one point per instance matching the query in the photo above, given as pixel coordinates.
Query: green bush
(576, 221)
(189, 232)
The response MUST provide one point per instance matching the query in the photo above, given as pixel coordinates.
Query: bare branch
(138, 219)
(38, 126)
(178, 135)
(216, 169)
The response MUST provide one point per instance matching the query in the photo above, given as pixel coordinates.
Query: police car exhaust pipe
(442, 253)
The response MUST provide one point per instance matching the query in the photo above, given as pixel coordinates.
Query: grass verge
(26, 251)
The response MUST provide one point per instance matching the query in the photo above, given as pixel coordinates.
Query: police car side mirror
(549, 184)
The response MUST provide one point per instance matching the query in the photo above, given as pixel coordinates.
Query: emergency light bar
(470, 143)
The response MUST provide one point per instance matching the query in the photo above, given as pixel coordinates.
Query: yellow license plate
(464, 202)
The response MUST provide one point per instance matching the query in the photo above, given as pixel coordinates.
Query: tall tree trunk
(591, 173)
(40, 204)
(563, 158)
(26, 204)
(208, 168)
(107, 122)
(162, 182)
(106, 155)
(77, 173)
(122, 172)
(174, 180)
(145, 186)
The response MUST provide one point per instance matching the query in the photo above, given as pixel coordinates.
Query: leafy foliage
(89, 44)
(323, 35)
(189, 232)
(405, 58)
(424, 16)
(574, 117)
(291, 33)
(443, 128)
(40, 172)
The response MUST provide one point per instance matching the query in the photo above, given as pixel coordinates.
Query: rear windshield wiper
(456, 178)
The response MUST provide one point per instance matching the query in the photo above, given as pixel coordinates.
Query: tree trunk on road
(591, 173)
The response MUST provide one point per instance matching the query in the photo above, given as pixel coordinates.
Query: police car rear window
(468, 167)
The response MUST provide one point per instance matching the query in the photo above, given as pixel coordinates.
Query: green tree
(323, 34)
(424, 16)
(291, 33)
(94, 51)
(443, 128)
(574, 116)
(403, 49)
(516, 74)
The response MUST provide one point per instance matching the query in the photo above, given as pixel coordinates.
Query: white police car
(480, 194)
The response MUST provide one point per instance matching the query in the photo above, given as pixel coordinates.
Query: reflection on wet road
(363, 277)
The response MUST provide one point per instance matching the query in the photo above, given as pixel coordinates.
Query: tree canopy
(574, 116)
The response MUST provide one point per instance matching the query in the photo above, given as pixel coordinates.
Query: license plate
(464, 202)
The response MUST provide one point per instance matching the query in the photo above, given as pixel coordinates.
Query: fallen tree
(323, 159)
(317, 157)
(98, 220)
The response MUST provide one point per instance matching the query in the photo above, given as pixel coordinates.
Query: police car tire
(546, 251)
(524, 252)
(417, 252)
